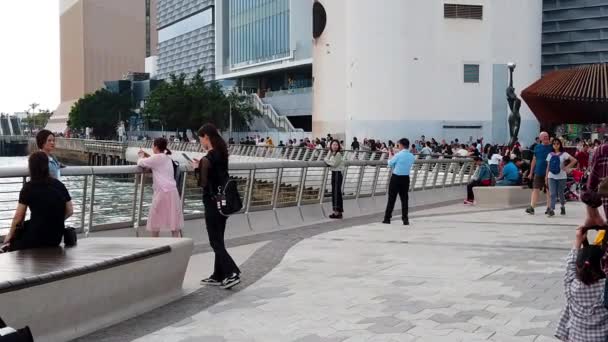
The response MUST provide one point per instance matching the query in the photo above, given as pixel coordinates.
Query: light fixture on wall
(319, 19)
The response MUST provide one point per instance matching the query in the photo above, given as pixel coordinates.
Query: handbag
(69, 237)
(8, 334)
(228, 199)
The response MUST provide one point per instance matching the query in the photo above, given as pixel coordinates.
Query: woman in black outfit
(50, 205)
(213, 173)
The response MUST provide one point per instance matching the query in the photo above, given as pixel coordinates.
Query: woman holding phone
(166, 209)
(212, 171)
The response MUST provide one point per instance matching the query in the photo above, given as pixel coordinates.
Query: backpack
(555, 163)
(228, 199)
(178, 176)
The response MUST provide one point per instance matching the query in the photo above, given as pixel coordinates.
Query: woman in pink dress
(166, 209)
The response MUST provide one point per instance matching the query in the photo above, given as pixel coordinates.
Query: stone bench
(66, 293)
(503, 196)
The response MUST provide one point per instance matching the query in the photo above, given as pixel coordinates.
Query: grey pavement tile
(407, 283)
(204, 339)
(317, 338)
(474, 313)
(386, 329)
(536, 332)
(441, 318)
(390, 321)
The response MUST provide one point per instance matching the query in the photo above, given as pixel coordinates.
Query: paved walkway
(457, 274)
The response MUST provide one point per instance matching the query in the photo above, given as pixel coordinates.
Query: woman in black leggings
(213, 173)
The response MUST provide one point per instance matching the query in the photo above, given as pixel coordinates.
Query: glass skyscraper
(258, 31)
(575, 32)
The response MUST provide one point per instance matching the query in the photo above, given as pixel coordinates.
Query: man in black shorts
(538, 170)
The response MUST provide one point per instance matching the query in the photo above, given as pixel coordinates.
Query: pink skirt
(165, 212)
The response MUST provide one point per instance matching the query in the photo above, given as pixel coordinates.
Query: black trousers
(399, 185)
(336, 191)
(224, 265)
(470, 186)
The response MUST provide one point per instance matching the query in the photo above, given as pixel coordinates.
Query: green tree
(38, 120)
(181, 104)
(101, 110)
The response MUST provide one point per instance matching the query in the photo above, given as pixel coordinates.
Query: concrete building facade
(265, 47)
(574, 33)
(436, 68)
(100, 41)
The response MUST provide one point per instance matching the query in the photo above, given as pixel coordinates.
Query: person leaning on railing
(336, 164)
(50, 205)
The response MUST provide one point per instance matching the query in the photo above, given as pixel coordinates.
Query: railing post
(435, 174)
(323, 185)
(90, 225)
(461, 175)
(183, 186)
(375, 180)
(277, 186)
(250, 189)
(425, 168)
(134, 204)
(84, 202)
(413, 182)
(141, 201)
(359, 181)
(302, 183)
(445, 174)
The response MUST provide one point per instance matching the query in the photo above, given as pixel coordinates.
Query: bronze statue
(514, 105)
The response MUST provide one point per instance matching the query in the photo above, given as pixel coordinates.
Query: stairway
(270, 118)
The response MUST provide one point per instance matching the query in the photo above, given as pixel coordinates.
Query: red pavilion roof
(577, 95)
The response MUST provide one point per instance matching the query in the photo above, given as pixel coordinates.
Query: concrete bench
(503, 196)
(63, 294)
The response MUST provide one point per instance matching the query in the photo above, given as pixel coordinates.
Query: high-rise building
(265, 47)
(186, 38)
(100, 41)
(390, 69)
(575, 32)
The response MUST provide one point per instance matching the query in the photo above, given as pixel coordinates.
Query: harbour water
(114, 197)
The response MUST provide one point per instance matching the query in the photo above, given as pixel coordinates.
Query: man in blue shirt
(538, 170)
(401, 164)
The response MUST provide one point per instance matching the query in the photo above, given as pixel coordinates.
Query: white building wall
(395, 68)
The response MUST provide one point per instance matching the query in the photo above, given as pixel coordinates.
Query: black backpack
(228, 199)
(178, 175)
(8, 334)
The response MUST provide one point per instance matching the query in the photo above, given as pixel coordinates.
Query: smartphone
(187, 157)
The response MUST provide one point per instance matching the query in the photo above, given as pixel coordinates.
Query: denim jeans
(557, 188)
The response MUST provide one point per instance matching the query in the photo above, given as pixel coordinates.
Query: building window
(456, 11)
(148, 35)
(471, 73)
(189, 24)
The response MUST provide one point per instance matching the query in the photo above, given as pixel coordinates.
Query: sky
(29, 54)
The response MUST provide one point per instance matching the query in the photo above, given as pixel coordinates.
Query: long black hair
(218, 143)
(38, 164)
(589, 265)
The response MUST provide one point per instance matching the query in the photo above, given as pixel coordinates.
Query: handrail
(277, 120)
(118, 196)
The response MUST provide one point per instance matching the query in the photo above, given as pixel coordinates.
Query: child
(584, 318)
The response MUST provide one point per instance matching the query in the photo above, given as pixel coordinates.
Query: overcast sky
(29, 54)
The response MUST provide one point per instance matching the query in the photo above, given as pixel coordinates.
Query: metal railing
(109, 197)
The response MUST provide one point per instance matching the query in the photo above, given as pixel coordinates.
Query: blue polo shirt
(541, 152)
(402, 162)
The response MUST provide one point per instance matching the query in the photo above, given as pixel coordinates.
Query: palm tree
(33, 106)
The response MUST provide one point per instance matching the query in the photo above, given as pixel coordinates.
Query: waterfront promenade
(456, 274)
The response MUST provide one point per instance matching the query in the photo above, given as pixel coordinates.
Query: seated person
(585, 318)
(49, 203)
(511, 175)
(481, 177)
